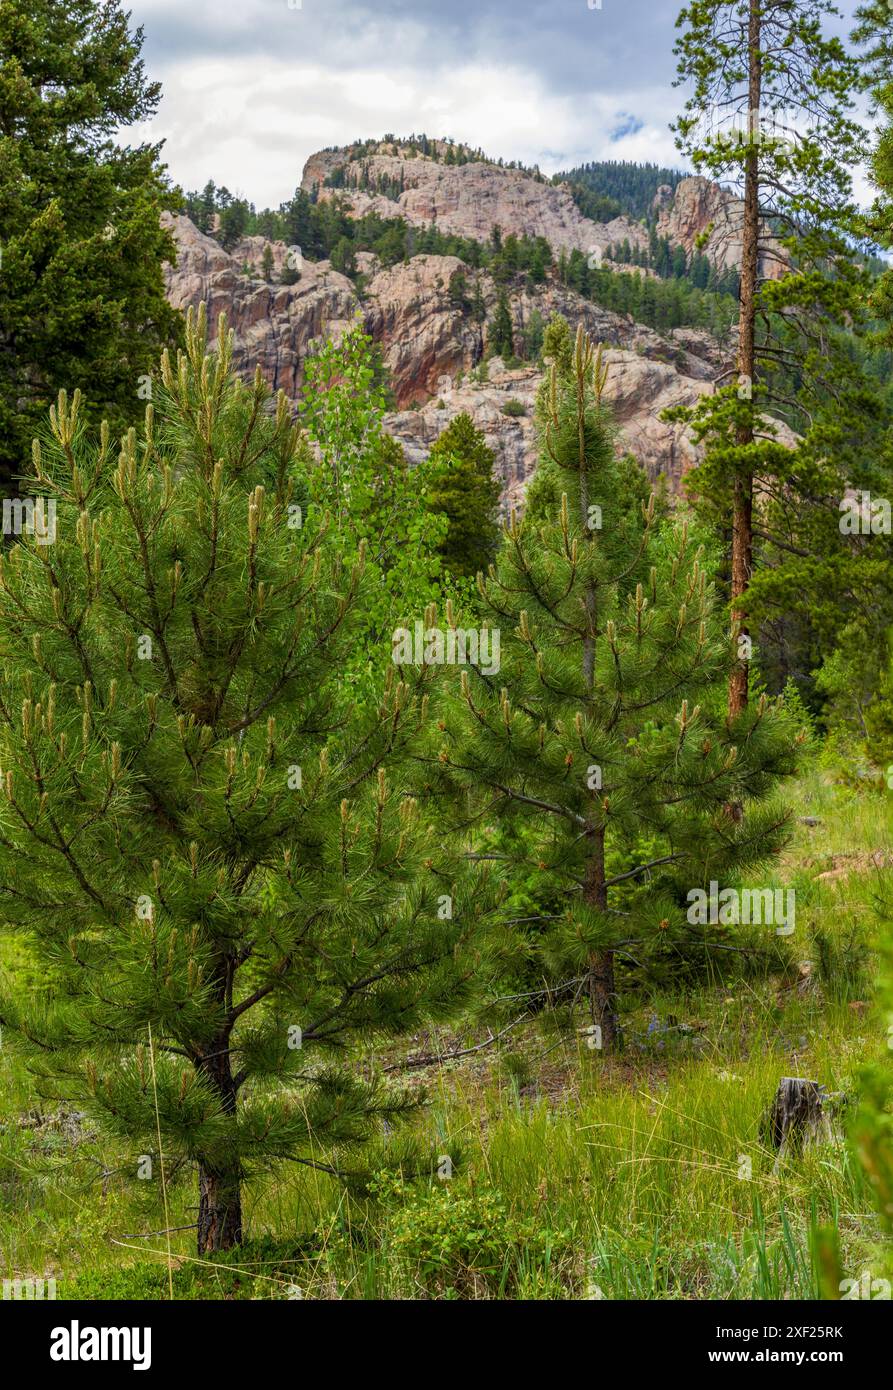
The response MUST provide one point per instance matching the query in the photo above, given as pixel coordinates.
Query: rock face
(430, 341)
(699, 204)
(430, 347)
(467, 199)
(470, 199)
(512, 438)
(426, 340)
(422, 335)
(638, 390)
(273, 324)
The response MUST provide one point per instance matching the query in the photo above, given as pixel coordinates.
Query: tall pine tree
(769, 114)
(81, 288)
(604, 731)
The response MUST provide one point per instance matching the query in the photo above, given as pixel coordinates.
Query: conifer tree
(874, 35)
(826, 589)
(463, 489)
(604, 732)
(863, 664)
(207, 207)
(478, 307)
(207, 843)
(769, 113)
(81, 289)
(858, 675)
(501, 337)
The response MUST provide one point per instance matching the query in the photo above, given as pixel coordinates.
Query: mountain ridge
(418, 308)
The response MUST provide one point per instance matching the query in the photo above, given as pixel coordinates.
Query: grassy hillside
(647, 1175)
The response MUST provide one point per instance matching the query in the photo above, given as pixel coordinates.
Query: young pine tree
(604, 732)
(199, 839)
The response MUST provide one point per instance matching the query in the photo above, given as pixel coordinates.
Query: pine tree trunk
(742, 507)
(601, 963)
(219, 1178)
(601, 997)
(219, 1210)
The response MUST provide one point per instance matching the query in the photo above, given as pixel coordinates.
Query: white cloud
(253, 130)
(251, 89)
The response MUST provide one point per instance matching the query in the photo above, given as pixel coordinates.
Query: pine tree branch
(320, 645)
(434, 1059)
(60, 847)
(543, 805)
(642, 868)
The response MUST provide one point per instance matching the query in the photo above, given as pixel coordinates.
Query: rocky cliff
(470, 199)
(697, 209)
(430, 344)
(430, 347)
(502, 406)
(466, 200)
(424, 337)
(273, 323)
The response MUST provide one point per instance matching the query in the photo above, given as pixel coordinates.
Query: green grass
(641, 1176)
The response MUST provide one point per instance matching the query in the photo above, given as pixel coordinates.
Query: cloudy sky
(252, 87)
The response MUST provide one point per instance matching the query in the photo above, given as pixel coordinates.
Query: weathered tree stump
(798, 1117)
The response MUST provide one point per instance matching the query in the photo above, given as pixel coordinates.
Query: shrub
(461, 1241)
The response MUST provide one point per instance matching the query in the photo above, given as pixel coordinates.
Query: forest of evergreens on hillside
(614, 187)
(696, 293)
(405, 893)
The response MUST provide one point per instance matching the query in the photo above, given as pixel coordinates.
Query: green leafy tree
(361, 476)
(603, 732)
(463, 489)
(207, 842)
(81, 286)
